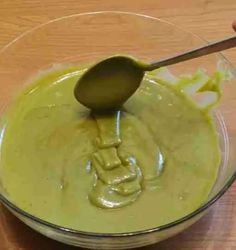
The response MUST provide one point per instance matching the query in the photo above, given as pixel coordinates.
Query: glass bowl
(85, 38)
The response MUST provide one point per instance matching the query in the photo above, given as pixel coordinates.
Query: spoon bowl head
(109, 83)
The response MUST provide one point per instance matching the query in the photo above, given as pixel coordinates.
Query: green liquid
(49, 142)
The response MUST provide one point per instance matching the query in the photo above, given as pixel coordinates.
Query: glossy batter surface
(48, 148)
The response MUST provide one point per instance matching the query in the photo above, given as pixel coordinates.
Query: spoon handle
(191, 54)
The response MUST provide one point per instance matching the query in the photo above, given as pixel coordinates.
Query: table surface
(209, 18)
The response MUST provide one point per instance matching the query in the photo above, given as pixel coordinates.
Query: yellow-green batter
(151, 163)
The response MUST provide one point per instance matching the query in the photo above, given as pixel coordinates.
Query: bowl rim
(75, 232)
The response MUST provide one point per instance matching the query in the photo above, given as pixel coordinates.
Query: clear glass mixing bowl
(83, 38)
